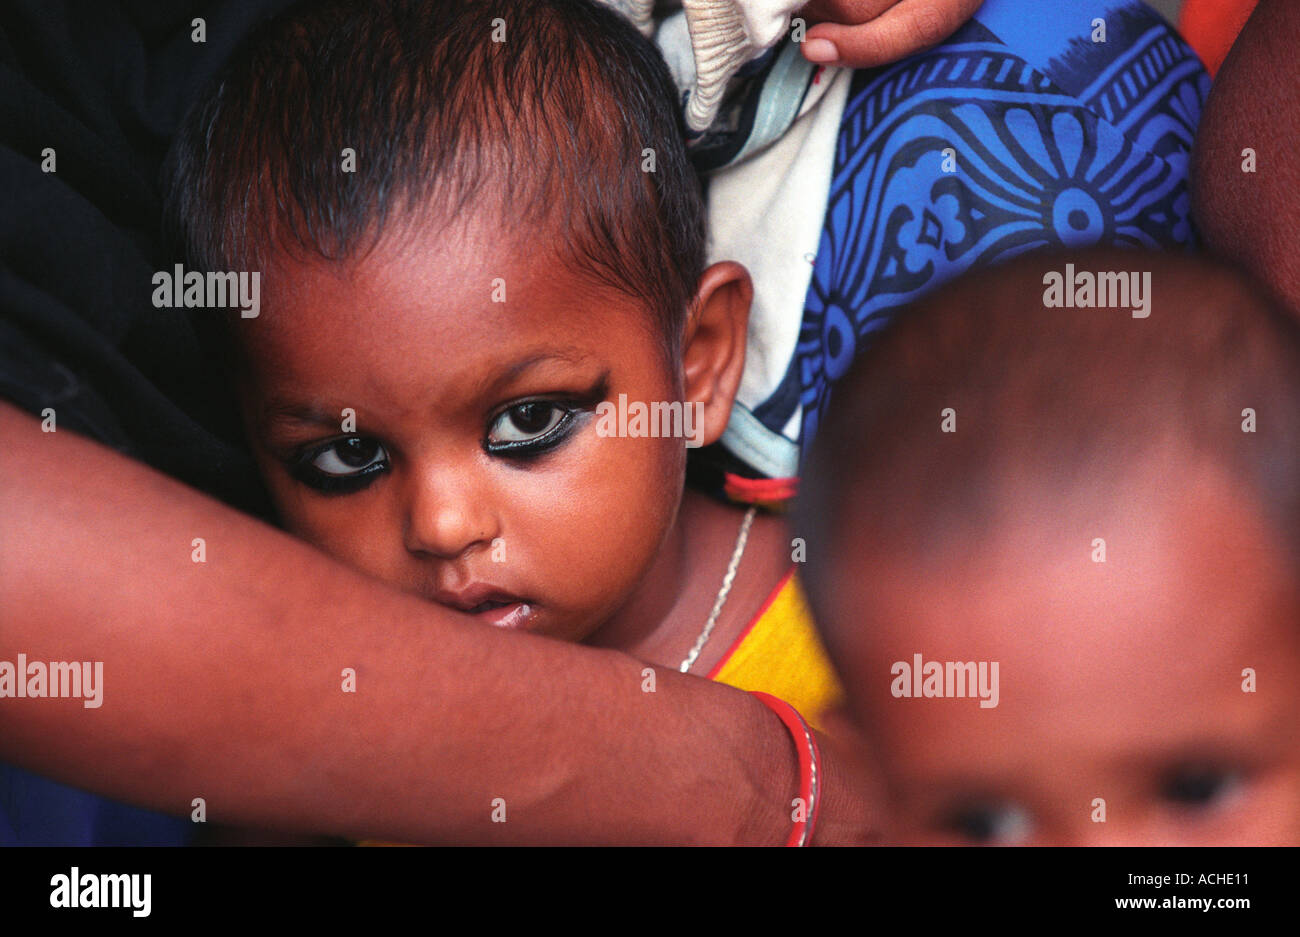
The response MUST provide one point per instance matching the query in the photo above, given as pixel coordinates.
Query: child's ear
(713, 349)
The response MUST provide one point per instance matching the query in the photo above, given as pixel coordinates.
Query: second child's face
(1150, 699)
(474, 475)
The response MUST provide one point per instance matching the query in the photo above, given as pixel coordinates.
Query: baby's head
(475, 222)
(1098, 514)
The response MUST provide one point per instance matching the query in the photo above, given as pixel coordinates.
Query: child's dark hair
(1053, 402)
(554, 122)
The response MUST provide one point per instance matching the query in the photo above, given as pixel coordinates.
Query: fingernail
(820, 50)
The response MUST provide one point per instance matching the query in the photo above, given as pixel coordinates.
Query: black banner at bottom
(169, 887)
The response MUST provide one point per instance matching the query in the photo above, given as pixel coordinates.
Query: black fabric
(104, 84)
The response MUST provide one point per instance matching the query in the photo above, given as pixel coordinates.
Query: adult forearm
(224, 680)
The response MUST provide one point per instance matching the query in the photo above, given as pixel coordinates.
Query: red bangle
(805, 744)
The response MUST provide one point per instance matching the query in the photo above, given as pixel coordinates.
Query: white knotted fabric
(724, 35)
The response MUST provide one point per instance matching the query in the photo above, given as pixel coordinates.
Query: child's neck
(663, 619)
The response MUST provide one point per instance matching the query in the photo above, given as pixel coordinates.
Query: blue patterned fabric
(1054, 141)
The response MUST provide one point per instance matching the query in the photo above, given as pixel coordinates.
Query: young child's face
(473, 475)
(1118, 681)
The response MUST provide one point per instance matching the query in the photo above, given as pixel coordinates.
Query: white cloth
(723, 36)
(640, 12)
(766, 204)
(767, 212)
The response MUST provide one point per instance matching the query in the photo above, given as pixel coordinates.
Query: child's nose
(447, 515)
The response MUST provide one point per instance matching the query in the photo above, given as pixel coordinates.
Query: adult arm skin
(223, 680)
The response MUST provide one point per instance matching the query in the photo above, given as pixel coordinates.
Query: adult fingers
(905, 28)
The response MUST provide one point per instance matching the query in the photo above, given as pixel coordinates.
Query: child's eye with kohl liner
(530, 427)
(341, 465)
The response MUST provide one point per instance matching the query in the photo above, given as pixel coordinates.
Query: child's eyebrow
(494, 383)
(1214, 749)
(283, 412)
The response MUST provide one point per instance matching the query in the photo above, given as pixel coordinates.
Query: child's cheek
(606, 523)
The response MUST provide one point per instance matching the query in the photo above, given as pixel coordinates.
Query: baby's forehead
(1174, 573)
(1183, 644)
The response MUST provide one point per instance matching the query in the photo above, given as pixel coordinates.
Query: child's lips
(491, 606)
(514, 615)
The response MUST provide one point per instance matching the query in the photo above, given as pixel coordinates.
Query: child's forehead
(408, 330)
(1072, 714)
(424, 273)
(1153, 654)
(1184, 570)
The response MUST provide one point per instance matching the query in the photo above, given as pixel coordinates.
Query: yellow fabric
(781, 654)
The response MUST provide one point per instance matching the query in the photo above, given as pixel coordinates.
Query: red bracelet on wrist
(805, 744)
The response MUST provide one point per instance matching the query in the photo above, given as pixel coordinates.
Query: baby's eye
(1199, 787)
(350, 456)
(991, 824)
(528, 426)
